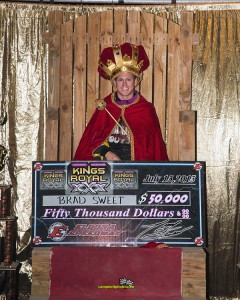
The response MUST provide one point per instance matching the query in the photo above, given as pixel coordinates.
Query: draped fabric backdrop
(215, 97)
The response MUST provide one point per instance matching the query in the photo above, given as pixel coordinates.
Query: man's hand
(111, 156)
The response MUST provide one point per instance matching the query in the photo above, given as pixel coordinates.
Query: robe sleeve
(159, 145)
(148, 142)
(86, 146)
(96, 132)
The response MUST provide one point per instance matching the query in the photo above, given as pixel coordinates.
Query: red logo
(199, 241)
(37, 240)
(57, 231)
(38, 166)
(197, 166)
(94, 230)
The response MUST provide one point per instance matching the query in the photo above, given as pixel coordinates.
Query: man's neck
(125, 101)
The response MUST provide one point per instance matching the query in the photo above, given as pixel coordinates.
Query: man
(124, 126)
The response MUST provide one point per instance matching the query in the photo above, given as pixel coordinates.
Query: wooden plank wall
(80, 79)
(167, 82)
(53, 39)
(66, 91)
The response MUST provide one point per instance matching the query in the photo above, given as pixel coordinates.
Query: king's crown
(121, 63)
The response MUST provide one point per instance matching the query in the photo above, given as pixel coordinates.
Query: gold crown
(122, 63)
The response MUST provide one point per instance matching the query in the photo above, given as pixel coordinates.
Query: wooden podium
(193, 273)
(81, 230)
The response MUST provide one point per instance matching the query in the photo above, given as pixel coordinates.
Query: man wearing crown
(124, 126)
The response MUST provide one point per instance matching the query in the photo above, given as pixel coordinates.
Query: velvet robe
(143, 124)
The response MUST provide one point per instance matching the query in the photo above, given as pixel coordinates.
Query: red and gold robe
(142, 122)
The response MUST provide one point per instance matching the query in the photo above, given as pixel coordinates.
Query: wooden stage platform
(193, 273)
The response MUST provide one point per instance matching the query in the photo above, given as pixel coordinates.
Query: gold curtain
(22, 96)
(215, 97)
(216, 87)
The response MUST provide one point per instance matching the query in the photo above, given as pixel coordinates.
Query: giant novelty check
(102, 203)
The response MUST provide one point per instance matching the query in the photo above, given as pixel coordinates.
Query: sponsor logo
(38, 166)
(37, 240)
(199, 241)
(88, 178)
(197, 166)
(57, 232)
(124, 283)
(94, 230)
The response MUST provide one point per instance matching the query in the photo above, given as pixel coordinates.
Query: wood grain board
(74, 83)
(193, 273)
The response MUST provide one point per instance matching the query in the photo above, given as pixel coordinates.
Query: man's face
(125, 84)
